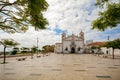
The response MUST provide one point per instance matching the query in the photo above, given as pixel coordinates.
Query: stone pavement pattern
(61, 67)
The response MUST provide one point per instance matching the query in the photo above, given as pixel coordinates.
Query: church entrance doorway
(72, 50)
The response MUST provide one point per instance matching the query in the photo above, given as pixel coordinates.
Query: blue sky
(70, 16)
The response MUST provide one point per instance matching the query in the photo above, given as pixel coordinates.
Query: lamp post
(108, 48)
(37, 45)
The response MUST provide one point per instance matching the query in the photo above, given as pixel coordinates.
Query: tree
(109, 17)
(25, 49)
(16, 16)
(48, 48)
(34, 49)
(114, 45)
(7, 43)
(95, 47)
(15, 50)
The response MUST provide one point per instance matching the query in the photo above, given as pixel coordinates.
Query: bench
(38, 56)
(47, 55)
(104, 56)
(21, 59)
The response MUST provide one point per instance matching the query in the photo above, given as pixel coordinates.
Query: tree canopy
(34, 49)
(109, 16)
(48, 48)
(16, 16)
(8, 42)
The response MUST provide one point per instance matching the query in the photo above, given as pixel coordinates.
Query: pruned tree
(7, 43)
(17, 15)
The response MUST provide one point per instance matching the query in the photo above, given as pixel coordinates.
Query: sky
(70, 16)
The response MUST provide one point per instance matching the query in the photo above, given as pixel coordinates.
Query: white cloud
(70, 15)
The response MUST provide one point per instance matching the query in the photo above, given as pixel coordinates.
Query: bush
(14, 52)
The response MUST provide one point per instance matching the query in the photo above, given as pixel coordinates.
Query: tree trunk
(4, 55)
(113, 53)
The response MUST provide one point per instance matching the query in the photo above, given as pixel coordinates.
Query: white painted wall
(58, 48)
(79, 44)
(116, 51)
(68, 43)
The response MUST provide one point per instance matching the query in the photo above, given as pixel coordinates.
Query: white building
(71, 44)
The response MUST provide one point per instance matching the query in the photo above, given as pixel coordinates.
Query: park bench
(21, 59)
(47, 55)
(104, 56)
(38, 56)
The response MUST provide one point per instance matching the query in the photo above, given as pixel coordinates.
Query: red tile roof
(96, 44)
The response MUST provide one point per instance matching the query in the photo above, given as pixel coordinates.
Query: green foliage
(34, 49)
(101, 3)
(48, 48)
(109, 18)
(113, 44)
(25, 50)
(95, 47)
(17, 16)
(8, 42)
(15, 51)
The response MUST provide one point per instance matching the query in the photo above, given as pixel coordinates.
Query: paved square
(61, 67)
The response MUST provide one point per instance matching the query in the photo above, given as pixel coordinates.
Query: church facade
(71, 44)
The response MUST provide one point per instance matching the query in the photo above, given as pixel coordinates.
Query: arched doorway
(72, 50)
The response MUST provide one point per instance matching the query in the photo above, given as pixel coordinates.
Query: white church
(71, 44)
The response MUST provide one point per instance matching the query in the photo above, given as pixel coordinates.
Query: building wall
(116, 51)
(81, 45)
(66, 44)
(58, 48)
